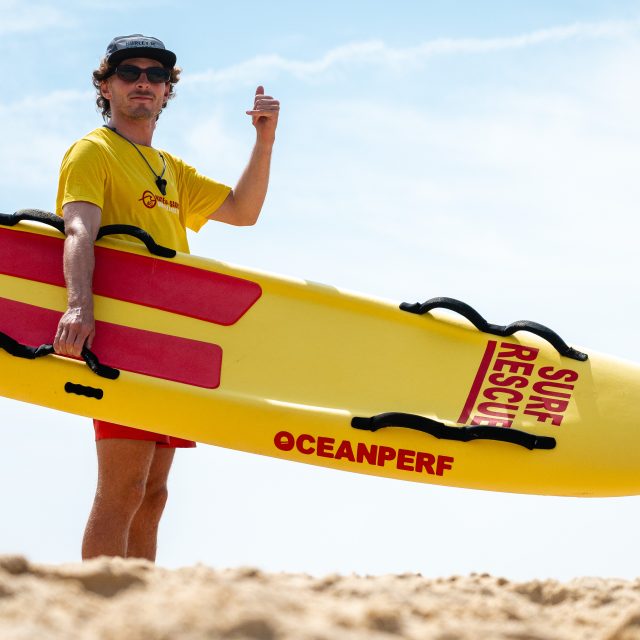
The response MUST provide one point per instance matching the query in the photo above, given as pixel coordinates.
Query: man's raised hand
(264, 115)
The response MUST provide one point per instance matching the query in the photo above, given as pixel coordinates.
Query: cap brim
(164, 56)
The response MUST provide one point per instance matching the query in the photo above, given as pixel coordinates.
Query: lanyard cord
(161, 183)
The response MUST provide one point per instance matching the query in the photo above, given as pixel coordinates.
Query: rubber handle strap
(462, 434)
(497, 330)
(140, 234)
(37, 215)
(15, 348)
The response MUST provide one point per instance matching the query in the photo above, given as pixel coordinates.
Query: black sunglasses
(131, 73)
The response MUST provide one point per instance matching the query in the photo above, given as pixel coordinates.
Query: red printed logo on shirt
(148, 200)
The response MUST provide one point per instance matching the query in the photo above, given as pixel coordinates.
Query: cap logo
(141, 43)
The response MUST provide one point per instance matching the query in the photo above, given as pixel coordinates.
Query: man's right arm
(77, 325)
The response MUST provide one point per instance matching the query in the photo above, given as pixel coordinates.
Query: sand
(135, 600)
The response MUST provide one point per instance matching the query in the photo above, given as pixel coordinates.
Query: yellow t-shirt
(104, 169)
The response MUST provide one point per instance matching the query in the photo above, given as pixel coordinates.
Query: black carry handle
(127, 229)
(495, 329)
(97, 367)
(37, 215)
(462, 434)
(15, 348)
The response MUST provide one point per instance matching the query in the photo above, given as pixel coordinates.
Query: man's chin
(142, 112)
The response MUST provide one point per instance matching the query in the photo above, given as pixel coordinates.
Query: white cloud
(379, 53)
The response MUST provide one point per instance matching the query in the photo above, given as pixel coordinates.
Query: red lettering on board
(445, 463)
(302, 441)
(325, 447)
(367, 454)
(345, 450)
(284, 441)
(518, 351)
(385, 454)
(500, 392)
(405, 459)
(425, 461)
(372, 455)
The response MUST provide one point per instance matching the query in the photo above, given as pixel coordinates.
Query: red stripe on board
(477, 383)
(146, 352)
(143, 280)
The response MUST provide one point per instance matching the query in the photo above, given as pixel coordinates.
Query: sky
(484, 151)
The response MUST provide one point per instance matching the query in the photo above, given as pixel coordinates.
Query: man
(103, 179)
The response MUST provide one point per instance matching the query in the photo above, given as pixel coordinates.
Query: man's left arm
(243, 204)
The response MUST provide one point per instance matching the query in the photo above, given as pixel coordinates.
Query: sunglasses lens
(158, 74)
(128, 74)
(131, 73)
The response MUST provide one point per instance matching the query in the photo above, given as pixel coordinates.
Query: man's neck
(139, 131)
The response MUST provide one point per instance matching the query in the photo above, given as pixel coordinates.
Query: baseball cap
(139, 46)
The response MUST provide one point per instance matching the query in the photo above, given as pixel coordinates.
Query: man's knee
(124, 498)
(123, 472)
(155, 499)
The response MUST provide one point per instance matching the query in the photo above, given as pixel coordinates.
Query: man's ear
(105, 90)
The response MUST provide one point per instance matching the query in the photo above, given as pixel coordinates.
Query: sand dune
(135, 600)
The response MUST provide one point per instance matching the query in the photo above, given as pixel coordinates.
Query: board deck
(305, 371)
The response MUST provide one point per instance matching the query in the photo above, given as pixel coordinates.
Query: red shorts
(110, 430)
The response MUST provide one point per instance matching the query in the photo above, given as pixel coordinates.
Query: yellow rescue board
(301, 372)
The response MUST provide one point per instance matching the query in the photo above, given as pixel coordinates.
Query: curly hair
(105, 70)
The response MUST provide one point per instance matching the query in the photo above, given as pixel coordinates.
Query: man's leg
(123, 470)
(143, 533)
